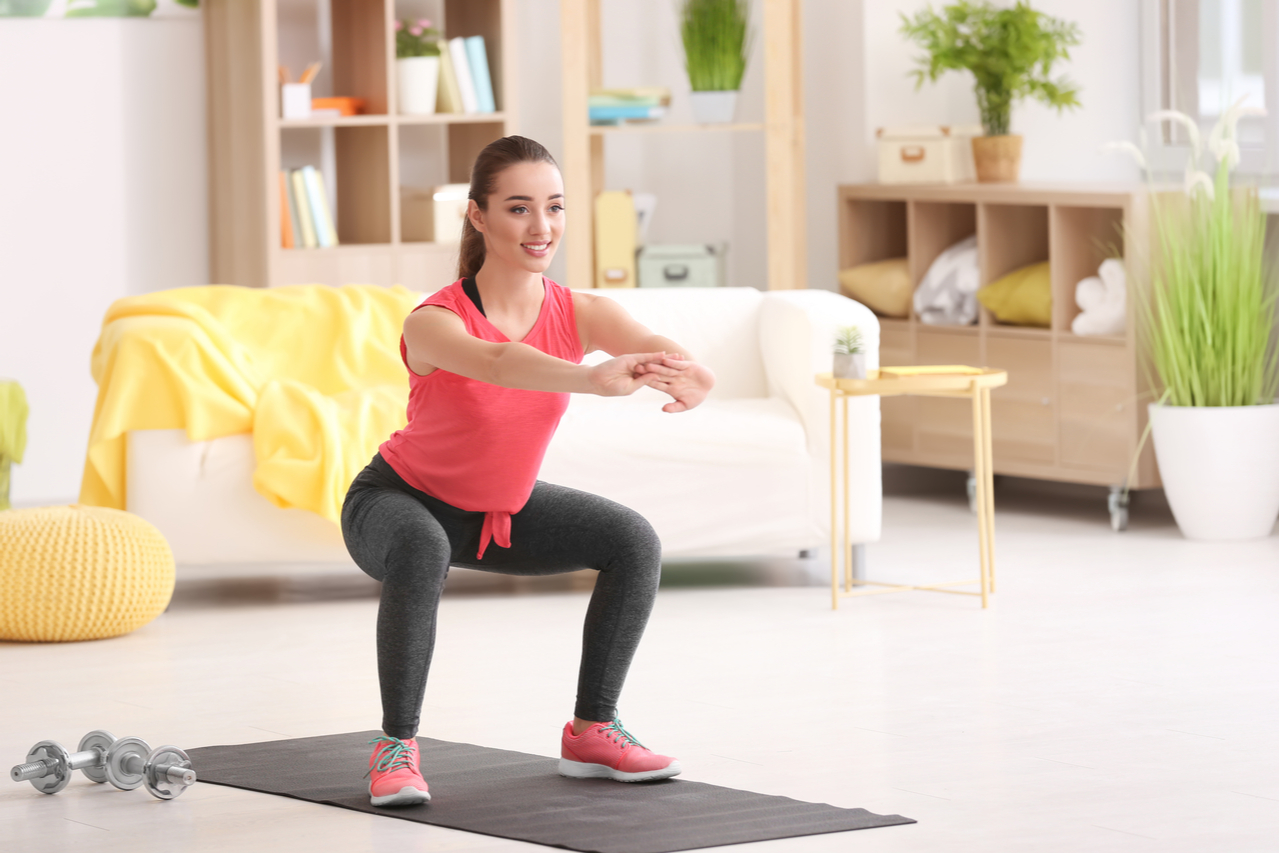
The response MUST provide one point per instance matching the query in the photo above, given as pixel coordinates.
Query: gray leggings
(407, 540)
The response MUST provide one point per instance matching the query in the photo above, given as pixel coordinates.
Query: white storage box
(675, 265)
(434, 215)
(926, 155)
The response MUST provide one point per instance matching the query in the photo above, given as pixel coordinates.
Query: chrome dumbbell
(126, 763)
(165, 770)
(49, 765)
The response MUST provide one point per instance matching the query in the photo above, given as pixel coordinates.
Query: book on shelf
(286, 215)
(291, 205)
(478, 59)
(321, 213)
(462, 72)
(618, 114)
(448, 97)
(929, 370)
(297, 184)
(653, 96)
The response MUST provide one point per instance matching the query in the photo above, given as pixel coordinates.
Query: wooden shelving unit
(249, 143)
(583, 161)
(1075, 406)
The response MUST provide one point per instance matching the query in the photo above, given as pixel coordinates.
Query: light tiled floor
(1119, 695)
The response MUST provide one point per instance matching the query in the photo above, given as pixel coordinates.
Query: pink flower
(399, 26)
(424, 23)
(415, 30)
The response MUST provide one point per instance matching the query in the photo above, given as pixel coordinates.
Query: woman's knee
(636, 543)
(389, 533)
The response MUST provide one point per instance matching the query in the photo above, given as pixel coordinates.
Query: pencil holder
(295, 100)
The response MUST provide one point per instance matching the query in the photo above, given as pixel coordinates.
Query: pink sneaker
(608, 751)
(394, 776)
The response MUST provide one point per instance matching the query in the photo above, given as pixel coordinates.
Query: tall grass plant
(717, 40)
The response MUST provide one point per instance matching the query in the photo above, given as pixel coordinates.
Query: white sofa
(744, 474)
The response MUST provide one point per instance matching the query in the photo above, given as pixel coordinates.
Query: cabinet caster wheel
(1118, 506)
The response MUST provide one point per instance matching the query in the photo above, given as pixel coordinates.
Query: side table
(975, 386)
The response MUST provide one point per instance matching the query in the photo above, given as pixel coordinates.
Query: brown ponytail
(496, 156)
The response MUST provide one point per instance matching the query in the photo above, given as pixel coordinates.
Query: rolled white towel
(1102, 301)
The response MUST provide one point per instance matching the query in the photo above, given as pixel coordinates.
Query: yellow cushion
(80, 573)
(1022, 297)
(882, 286)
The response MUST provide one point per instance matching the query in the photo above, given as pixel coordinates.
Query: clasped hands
(687, 382)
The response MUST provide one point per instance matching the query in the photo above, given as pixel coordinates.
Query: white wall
(102, 194)
(102, 162)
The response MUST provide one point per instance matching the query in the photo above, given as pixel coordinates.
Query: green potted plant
(1010, 53)
(1208, 322)
(417, 66)
(849, 361)
(717, 38)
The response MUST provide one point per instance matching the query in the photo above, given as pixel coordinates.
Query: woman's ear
(476, 215)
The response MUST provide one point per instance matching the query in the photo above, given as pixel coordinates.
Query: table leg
(847, 554)
(981, 482)
(835, 533)
(991, 493)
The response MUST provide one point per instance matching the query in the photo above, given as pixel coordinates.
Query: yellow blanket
(314, 372)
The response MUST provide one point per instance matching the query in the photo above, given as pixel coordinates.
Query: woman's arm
(605, 325)
(436, 338)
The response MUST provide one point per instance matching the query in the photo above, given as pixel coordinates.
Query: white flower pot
(849, 366)
(417, 80)
(713, 107)
(1221, 468)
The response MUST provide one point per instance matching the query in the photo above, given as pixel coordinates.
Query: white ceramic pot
(1221, 468)
(417, 81)
(849, 365)
(713, 107)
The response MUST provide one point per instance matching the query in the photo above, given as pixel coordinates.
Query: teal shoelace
(617, 732)
(393, 756)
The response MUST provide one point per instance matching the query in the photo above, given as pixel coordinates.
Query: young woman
(492, 359)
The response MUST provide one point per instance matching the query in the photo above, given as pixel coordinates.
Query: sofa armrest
(797, 331)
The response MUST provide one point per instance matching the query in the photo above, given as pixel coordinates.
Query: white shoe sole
(406, 796)
(583, 770)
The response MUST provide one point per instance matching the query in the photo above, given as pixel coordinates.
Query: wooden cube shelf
(1075, 406)
(376, 156)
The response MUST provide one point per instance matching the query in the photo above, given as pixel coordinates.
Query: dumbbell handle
(175, 773)
(37, 769)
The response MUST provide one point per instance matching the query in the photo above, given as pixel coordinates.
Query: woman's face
(525, 219)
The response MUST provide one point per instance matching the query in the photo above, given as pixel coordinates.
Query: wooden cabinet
(1075, 407)
(369, 160)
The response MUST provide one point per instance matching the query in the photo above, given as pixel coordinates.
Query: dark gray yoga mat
(521, 796)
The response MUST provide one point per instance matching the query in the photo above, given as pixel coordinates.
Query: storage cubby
(935, 227)
(1070, 409)
(1081, 238)
(872, 230)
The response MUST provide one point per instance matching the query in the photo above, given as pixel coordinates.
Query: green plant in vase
(1011, 53)
(716, 35)
(1208, 320)
(849, 359)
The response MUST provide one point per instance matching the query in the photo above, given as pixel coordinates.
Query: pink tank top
(479, 446)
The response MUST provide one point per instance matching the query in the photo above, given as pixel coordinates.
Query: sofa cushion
(720, 326)
(730, 477)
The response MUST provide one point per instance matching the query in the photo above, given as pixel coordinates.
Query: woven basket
(80, 573)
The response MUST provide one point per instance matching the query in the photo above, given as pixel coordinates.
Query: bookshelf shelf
(452, 118)
(335, 121)
(368, 162)
(604, 130)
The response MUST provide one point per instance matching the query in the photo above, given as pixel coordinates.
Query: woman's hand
(688, 382)
(627, 374)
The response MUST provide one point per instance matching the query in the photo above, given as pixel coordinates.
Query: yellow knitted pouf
(80, 573)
